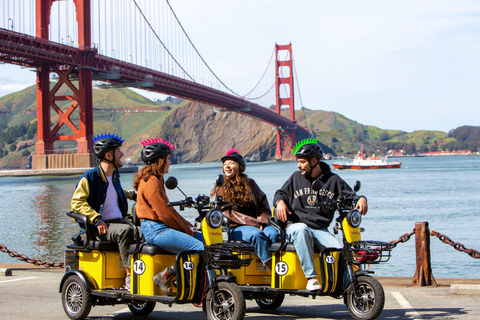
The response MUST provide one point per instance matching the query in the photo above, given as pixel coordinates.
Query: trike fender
(84, 278)
(346, 283)
(225, 278)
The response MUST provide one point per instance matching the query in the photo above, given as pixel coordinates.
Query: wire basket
(227, 255)
(371, 252)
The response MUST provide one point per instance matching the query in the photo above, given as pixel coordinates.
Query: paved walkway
(33, 293)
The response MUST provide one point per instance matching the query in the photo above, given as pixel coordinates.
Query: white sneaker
(126, 286)
(313, 285)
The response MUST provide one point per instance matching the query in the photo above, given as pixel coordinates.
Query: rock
(24, 144)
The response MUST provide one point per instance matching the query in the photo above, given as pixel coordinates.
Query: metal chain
(36, 262)
(403, 238)
(458, 246)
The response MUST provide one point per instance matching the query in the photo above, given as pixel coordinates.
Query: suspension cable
(263, 95)
(299, 93)
(261, 78)
(198, 53)
(158, 38)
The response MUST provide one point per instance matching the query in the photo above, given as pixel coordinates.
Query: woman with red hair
(162, 225)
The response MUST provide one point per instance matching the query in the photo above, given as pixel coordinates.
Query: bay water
(444, 191)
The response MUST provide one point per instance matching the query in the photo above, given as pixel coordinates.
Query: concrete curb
(465, 289)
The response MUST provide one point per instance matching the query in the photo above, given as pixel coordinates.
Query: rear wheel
(370, 299)
(141, 308)
(271, 302)
(76, 299)
(231, 303)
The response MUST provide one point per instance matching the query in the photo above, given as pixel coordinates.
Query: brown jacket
(255, 215)
(152, 203)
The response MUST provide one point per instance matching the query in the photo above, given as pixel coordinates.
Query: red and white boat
(361, 162)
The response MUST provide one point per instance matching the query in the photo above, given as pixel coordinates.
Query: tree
(32, 129)
(423, 149)
(384, 136)
(410, 148)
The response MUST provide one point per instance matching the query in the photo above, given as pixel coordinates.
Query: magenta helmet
(234, 155)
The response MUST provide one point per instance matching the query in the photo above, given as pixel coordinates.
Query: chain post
(423, 273)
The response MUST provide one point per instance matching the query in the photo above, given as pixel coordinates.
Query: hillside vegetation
(201, 134)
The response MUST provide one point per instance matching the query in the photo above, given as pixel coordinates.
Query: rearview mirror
(317, 185)
(171, 183)
(357, 186)
(220, 180)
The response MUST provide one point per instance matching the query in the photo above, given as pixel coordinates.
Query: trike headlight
(354, 218)
(214, 218)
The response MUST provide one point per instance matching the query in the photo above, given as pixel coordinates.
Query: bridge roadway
(32, 293)
(25, 50)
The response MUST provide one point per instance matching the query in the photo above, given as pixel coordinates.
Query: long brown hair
(236, 189)
(153, 169)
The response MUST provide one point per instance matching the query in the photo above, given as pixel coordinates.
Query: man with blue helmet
(100, 196)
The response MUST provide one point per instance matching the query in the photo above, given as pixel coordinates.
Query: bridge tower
(284, 97)
(64, 98)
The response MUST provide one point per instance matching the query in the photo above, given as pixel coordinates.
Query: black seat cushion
(289, 247)
(102, 245)
(149, 249)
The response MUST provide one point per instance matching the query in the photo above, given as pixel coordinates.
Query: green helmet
(308, 148)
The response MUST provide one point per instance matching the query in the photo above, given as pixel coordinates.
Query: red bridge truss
(86, 64)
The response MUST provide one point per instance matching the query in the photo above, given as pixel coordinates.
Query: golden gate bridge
(125, 43)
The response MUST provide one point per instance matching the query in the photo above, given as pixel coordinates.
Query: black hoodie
(300, 198)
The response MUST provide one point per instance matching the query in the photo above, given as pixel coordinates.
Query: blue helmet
(105, 142)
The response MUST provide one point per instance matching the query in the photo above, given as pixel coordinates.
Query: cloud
(7, 87)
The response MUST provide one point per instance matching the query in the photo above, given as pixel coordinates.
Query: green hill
(199, 133)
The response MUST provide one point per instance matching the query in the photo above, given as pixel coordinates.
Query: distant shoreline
(55, 172)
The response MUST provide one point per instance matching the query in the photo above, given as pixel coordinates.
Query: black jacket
(300, 198)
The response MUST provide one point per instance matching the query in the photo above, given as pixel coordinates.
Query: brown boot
(164, 279)
(268, 264)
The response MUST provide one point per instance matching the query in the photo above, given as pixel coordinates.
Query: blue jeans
(159, 234)
(304, 238)
(260, 239)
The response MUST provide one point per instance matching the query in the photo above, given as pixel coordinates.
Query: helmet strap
(312, 166)
(310, 162)
(113, 159)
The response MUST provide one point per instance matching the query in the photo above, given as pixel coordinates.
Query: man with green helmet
(307, 224)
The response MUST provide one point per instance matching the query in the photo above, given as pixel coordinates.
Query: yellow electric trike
(343, 273)
(94, 274)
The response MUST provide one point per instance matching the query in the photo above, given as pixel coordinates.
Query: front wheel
(76, 299)
(271, 302)
(370, 299)
(141, 308)
(231, 303)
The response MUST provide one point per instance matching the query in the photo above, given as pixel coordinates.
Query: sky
(404, 65)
